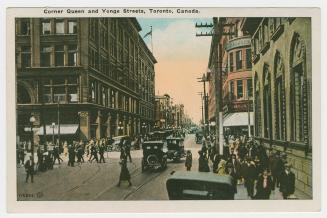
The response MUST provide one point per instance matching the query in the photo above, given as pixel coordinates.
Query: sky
(182, 58)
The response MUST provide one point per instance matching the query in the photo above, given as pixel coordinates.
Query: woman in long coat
(124, 173)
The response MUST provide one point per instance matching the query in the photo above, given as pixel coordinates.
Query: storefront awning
(238, 119)
(65, 129)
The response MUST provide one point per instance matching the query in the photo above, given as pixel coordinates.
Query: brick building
(93, 77)
(234, 61)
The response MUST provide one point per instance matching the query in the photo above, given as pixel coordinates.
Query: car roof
(201, 176)
(153, 142)
(179, 139)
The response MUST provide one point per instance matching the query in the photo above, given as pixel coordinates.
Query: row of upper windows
(265, 32)
(241, 93)
(48, 26)
(238, 58)
(64, 55)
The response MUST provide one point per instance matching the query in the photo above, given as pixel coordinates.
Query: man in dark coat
(56, 155)
(71, 155)
(287, 182)
(94, 154)
(250, 175)
(264, 186)
(101, 152)
(235, 165)
(128, 149)
(124, 173)
(231, 172)
(188, 161)
(277, 167)
(79, 153)
(29, 168)
(203, 163)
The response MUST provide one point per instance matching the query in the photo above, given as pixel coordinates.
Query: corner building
(282, 90)
(93, 77)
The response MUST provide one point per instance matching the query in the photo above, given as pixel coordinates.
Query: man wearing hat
(287, 181)
(203, 162)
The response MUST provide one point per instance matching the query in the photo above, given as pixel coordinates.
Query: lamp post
(32, 120)
(144, 128)
(120, 127)
(53, 126)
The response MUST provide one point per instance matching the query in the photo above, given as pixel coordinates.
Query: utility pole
(200, 93)
(204, 79)
(216, 33)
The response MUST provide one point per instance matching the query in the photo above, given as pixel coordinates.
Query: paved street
(95, 181)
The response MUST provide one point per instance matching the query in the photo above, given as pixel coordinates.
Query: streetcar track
(146, 182)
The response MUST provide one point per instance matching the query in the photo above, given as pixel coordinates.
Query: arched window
(257, 108)
(279, 97)
(299, 104)
(267, 102)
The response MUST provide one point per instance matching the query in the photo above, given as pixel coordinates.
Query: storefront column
(108, 125)
(84, 125)
(117, 125)
(98, 130)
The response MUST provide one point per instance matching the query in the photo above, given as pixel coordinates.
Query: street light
(120, 127)
(53, 126)
(32, 120)
(144, 128)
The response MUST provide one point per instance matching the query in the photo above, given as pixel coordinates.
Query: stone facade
(94, 73)
(281, 49)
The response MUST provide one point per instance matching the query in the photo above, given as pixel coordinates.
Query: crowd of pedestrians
(77, 152)
(260, 170)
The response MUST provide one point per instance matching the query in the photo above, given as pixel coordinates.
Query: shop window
(45, 59)
(25, 27)
(232, 93)
(72, 27)
(59, 94)
(59, 55)
(239, 89)
(248, 59)
(72, 94)
(60, 26)
(26, 56)
(72, 55)
(249, 88)
(239, 60)
(46, 27)
(231, 62)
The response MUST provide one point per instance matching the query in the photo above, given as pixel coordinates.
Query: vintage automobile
(198, 137)
(175, 148)
(157, 136)
(153, 156)
(191, 185)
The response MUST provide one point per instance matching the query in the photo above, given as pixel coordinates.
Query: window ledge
(265, 48)
(255, 58)
(277, 32)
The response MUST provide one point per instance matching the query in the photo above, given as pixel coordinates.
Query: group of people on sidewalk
(260, 170)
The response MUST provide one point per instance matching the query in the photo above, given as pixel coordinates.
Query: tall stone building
(281, 49)
(93, 77)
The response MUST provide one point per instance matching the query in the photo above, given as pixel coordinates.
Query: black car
(175, 148)
(153, 156)
(189, 185)
(157, 136)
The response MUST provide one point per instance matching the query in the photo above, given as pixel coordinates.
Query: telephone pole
(215, 65)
